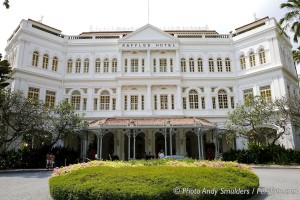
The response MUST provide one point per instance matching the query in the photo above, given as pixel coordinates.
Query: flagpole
(148, 12)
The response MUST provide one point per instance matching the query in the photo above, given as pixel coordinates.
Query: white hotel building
(153, 89)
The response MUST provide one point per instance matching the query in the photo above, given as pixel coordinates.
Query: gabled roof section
(149, 32)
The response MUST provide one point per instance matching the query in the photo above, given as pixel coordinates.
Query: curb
(24, 170)
(274, 167)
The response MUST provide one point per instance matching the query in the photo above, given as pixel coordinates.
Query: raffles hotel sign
(157, 45)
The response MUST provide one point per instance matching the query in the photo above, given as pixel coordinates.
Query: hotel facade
(150, 89)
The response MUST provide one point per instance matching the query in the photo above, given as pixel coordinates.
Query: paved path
(276, 181)
(25, 185)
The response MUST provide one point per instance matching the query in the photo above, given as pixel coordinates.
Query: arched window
(200, 65)
(262, 56)
(228, 65)
(183, 65)
(114, 65)
(86, 65)
(219, 65)
(104, 100)
(222, 98)
(252, 59)
(78, 66)
(54, 63)
(193, 99)
(211, 65)
(97, 65)
(105, 65)
(35, 58)
(70, 66)
(45, 61)
(192, 65)
(243, 62)
(76, 99)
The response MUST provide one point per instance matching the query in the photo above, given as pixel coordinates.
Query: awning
(183, 122)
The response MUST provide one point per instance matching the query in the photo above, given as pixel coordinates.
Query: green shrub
(271, 154)
(26, 158)
(152, 182)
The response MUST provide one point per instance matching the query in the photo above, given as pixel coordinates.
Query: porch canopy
(167, 126)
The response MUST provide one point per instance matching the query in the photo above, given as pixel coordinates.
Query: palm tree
(292, 18)
(6, 4)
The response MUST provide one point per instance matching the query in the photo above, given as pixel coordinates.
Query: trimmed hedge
(154, 182)
(272, 154)
(27, 158)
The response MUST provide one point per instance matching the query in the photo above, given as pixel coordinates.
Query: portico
(135, 137)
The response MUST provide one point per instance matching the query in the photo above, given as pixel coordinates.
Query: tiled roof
(148, 122)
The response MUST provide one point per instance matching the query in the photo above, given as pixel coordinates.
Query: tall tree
(292, 18)
(252, 119)
(21, 119)
(64, 121)
(296, 55)
(6, 4)
(5, 69)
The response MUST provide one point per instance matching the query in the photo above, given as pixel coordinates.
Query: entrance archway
(108, 146)
(160, 144)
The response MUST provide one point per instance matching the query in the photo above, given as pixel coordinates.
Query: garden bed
(154, 180)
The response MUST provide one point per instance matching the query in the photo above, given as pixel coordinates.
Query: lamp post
(171, 131)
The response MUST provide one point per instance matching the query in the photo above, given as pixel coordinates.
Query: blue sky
(74, 16)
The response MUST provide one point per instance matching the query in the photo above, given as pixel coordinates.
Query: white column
(149, 100)
(208, 98)
(119, 100)
(120, 58)
(90, 99)
(177, 62)
(179, 98)
(148, 62)
(134, 135)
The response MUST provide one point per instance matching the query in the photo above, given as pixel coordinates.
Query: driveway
(25, 185)
(278, 184)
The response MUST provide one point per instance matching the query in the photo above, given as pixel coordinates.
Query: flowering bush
(157, 162)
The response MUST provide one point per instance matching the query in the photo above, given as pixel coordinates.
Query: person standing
(48, 160)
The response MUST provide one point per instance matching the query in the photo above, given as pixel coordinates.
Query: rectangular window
(143, 65)
(114, 66)
(232, 102)
(113, 104)
(172, 102)
(163, 102)
(183, 65)
(203, 102)
(200, 65)
(142, 102)
(265, 93)
(184, 103)
(33, 93)
(86, 66)
(125, 102)
(126, 65)
(105, 66)
(248, 93)
(211, 65)
(78, 66)
(95, 104)
(97, 66)
(155, 102)
(162, 65)
(69, 67)
(84, 103)
(134, 65)
(154, 64)
(171, 65)
(134, 102)
(50, 98)
(214, 102)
